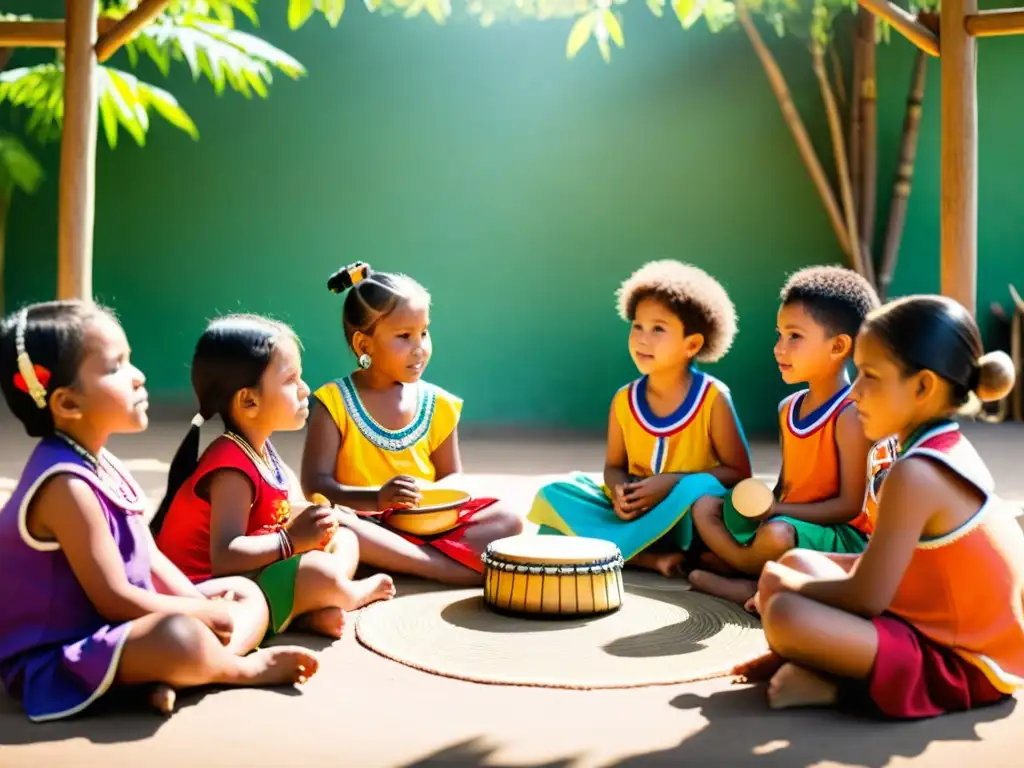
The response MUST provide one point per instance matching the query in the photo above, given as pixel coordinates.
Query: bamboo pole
(1009, 21)
(128, 26)
(835, 125)
(958, 214)
(868, 95)
(78, 153)
(855, 116)
(904, 175)
(905, 23)
(40, 33)
(839, 84)
(796, 127)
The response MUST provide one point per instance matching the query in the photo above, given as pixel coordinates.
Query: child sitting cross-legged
(820, 495)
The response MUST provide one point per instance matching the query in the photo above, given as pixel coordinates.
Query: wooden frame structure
(954, 42)
(87, 40)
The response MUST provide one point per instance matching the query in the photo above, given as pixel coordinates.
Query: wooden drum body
(552, 576)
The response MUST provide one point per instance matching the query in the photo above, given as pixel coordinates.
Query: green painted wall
(519, 187)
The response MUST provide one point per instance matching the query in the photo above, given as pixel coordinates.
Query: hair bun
(346, 277)
(996, 377)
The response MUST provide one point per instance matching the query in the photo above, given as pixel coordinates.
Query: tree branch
(796, 127)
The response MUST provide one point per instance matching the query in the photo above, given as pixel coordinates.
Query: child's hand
(311, 526)
(641, 496)
(777, 578)
(400, 491)
(217, 616)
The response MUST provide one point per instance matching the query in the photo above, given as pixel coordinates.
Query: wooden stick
(868, 96)
(958, 214)
(855, 117)
(1009, 21)
(904, 175)
(835, 126)
(78, 154)
(839, 84)
(796, 127)
(906, 24)
(128, 26)
(40, 33)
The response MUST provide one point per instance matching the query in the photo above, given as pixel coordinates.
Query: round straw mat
(661, 635)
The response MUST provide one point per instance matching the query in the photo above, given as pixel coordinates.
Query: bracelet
(287, 549)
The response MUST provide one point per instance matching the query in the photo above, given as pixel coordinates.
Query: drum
(552, 576)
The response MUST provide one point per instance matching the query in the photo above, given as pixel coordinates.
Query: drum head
(553, 550)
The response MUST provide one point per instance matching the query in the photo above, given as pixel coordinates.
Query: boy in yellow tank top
(673, 435)
(823, 486)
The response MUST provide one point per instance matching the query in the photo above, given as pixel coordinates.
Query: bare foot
(326, 621)
(163, 698)
(280, 665)
(760, 669)
(371, 589)
(794, 686)
(734, 590)
(668, 564)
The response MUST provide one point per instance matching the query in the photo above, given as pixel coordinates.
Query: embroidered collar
(393, 440)
(926, 432)
(816, 419)
(680, 418)
(110, 476)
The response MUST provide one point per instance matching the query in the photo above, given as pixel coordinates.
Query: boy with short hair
(822, 488)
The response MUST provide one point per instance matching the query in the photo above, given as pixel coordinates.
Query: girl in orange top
(928, 620)
(230, 511)
(381, 434)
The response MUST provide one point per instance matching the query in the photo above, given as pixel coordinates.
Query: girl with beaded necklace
(237, 509)
(87, 601)
(379, 435)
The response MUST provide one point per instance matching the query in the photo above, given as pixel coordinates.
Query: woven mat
(664, 633)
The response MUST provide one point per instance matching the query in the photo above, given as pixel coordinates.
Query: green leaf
(688, 11)
(332, 10)
(611, 23)
(657, 7)
(108, 117)
(299, 12)
(168, 108)
(579, 34)
(18, 168)
(606, 50)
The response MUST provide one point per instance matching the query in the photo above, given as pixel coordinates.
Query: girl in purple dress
(86, 600)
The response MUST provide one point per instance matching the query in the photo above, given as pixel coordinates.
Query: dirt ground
(363, 710)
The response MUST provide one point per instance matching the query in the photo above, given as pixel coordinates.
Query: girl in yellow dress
(379, 435)
(673, 435)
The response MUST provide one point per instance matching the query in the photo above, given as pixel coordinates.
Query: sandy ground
(363, 710)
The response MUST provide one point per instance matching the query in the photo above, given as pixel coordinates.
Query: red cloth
(185, 535)
(450, 542)
(914, 677)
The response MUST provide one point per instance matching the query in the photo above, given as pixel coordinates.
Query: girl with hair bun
(928, 618)
(381, 434)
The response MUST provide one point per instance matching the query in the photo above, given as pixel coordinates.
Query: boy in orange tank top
(928, 620)
(821, 490)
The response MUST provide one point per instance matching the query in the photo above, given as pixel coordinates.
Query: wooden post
(959, 178)
(78, 153)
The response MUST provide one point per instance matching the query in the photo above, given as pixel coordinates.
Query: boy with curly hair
(822, 491)
(673, 435)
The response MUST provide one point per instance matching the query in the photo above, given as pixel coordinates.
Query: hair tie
(357, 272)
(975, 377)
(30, 379)
(198, 421)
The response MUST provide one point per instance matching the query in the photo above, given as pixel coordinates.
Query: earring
(365, 361)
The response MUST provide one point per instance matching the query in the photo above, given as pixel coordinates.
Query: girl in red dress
(237, 509)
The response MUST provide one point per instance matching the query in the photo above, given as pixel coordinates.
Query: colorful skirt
(915, 678)
(58, 682)
(580, 506)
(836, 539)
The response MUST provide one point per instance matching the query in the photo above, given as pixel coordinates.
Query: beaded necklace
(269, 465)
(109, 476)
